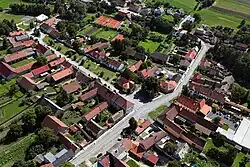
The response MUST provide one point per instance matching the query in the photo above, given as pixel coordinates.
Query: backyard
(97, 69)
(210, 144)
(132, 163)
(71, 117)
(149, 45)
(23, 62)
(16, 151)
(105, 34)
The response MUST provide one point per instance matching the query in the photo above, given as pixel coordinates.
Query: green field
(105, 34)
(16, 151)
(16, 18)
(6, 3)
(149, 45)
(234, 5)
(210, 144)
(187, 5)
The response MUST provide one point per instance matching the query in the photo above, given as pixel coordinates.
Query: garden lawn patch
(239, 157)
(97, 69)
(6, 3)
(132, 163)
(225, 127)
(106, 34)
(149, 45)
(154, 114)
(4, 88)
(210, 144)
(23, 62)
(88, 30)
(16, 18)
(71, 117)
(11, 109)
(16, 151)
(56, 45)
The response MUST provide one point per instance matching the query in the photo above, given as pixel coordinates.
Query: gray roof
(159, 56)
(61, 153)
(49, 157)
(22, 37)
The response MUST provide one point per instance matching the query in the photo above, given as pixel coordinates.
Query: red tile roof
(53, 122)
(71, 87)
(51, 57)
(119, 37)
(151, 158)
(188, 102)
(136, 66)
(105, 161)
(96, 110)
(168, 86)
(125, 83)
(145, 73)
(50, 21)
(96, 46)
(6, 70)
(153, 139)
(41, 70)
(16, 33)
(26, 83)
(108, 22)
(25, 67)
(47, 165)
(142, 126)
(89, 94)
(18, 55)
(62, 74)
(205, 63)
(170, 113)
(57, 62)
(41, 48)
(191, 54)
(137, 151)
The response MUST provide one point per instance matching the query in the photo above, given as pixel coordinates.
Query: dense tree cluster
(31, 9)
(7, 26)
(151, 86)
(67, 29)
(205, 3)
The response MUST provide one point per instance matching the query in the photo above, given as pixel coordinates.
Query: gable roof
(170, 113)
(18, 55)
(150, 157)
(188, 102)
(16, 33)
(25, 67)
(53, 122)
(159, 56)
(145, 73)
(62, 74)
(95, 111)
(125, 83)
(57, 62)
(168, 85)
(51, 57)
(6, 70)
(89, 94)
(153, 139)
(50, 21)
(136, 66)
(119, 37)
(108, 22)
(114, 63)
(191, 54)
(26, 83)
(142, 126)
(71, 87)
(96, 46)
(41, 48)
(40, 70)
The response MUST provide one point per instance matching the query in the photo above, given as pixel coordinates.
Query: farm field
(234, 5)
(187, 5)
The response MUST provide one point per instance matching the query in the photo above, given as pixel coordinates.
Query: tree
(174, 164)
(46, 137)
(216, 120)
(197, 17)
(63, 98)
(242, 23)
(29, 121)
(13, 89)
(41, 60)
(170, 148)
(32, 25)
(41, 113)
(118, 46)
(218, 140)
(130, 75)
(76, 45)
(15, 132)
(132, 123)
(34, 150)
(5, 44)
(67, 164)
(188, 26)
(152, 86)
(19, 163)
(101, 74)
(238, 93)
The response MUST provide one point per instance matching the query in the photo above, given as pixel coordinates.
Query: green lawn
(16, 151)
(71, 117)
(234, 5)
(210, 144)
(56, 45)
(187, 5)
(105, 34)
(239, 157)
(23, 62)
(97, 69)
(225, 126)
(213, 18)
(16, 18)
(5, 86)
(132, 163)
(6, 3)
(154, 114)
(86, 29)
(149, 45)
(11, 110)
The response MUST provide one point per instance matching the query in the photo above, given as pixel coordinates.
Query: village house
(145, 73)
(55, 124)
(71, 87)
(168, 86)
(61, 75)
(126, 85)
(18, 56)
(160, 58)
(135, 67)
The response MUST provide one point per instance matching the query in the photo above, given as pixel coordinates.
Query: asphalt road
(109, 138)
(141, 110)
